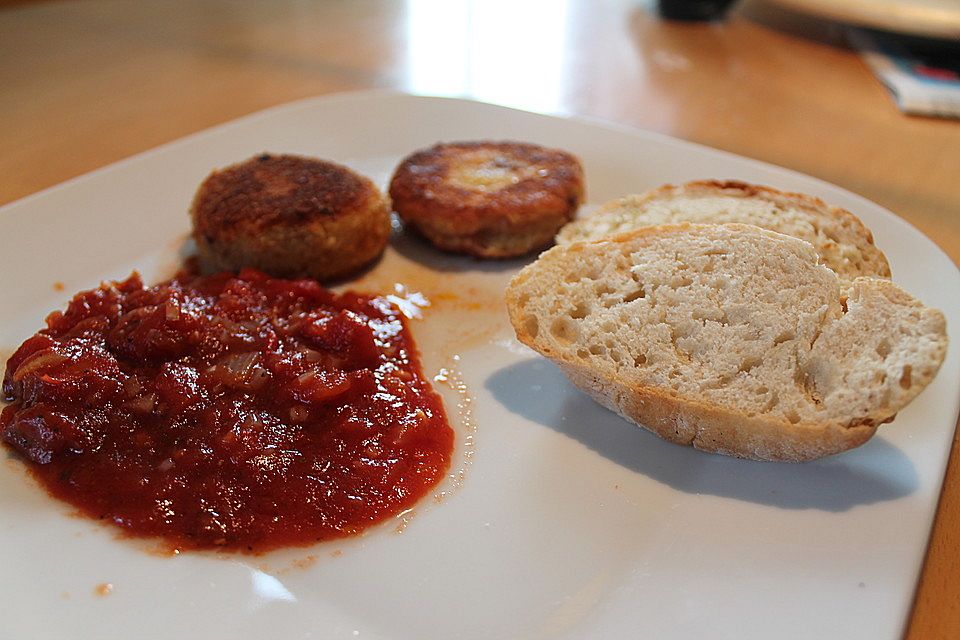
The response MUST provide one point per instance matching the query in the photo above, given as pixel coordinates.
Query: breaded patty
(289, 216)
(488, 199)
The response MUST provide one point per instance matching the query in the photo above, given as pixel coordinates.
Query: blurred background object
(931, 18)
(922, 74)
(694, 9)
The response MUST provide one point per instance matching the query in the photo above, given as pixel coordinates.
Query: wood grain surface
(88, 83)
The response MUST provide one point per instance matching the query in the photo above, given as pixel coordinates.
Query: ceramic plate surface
(559, 520)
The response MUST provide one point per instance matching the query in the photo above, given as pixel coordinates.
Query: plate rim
(379, 94)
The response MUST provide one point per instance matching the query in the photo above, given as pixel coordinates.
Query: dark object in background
(693, 9)
(922, 74)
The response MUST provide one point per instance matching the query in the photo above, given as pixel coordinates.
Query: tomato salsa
(227, 411)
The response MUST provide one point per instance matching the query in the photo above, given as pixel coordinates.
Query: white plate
(931, 18)
(567, 522)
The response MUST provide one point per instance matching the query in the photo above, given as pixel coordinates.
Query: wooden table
(88, 83)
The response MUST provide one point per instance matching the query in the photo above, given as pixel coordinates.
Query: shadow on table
(873, 473)
(793, 23)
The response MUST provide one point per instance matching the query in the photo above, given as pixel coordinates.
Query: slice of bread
(730, 338)
(842, 241)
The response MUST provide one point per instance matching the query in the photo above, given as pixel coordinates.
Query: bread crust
(872, 261)
(289, 216)
(488, 199)
(711, 425)
(716, 429)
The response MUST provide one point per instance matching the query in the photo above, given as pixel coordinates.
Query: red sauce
(239, 412)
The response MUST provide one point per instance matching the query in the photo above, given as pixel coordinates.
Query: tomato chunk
(232, 411)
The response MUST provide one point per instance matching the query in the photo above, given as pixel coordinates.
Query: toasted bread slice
(730, 338)
(840, 238)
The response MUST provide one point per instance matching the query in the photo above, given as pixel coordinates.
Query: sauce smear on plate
(238, 412)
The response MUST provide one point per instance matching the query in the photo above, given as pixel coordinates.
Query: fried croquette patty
(289, 216)
(488, 199)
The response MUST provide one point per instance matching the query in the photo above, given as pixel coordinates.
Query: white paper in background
(919, 86)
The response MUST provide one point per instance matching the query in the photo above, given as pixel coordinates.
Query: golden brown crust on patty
(488, 199)
(289, 216)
